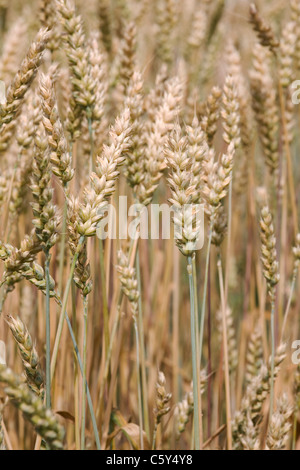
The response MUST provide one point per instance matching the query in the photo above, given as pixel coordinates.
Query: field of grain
(117, 332)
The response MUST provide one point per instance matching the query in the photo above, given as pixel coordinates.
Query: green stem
(109, 353)
(113, 334)
(48, 343)
(89, 398)
(63, 309)
(197, 347)
(142, 349)
(202, 320)
(104, 298)
(195, 359)
(226, 357)
(84, 356)
(140, 408)
(62, 248)
(288, 304)
(76, 397)
(154, 435)
(272, 358)
(3, 296)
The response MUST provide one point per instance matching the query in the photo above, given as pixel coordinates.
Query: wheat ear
(162, 400)
(28, 353)
(264, 31)
(33, 409)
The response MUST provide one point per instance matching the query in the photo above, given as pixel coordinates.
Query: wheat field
(118, 333)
